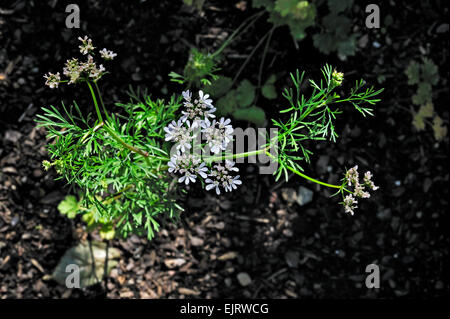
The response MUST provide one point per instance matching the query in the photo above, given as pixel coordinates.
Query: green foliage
(220, 86)
(335, 27)
(425, 75)
(312, 118)
(439, 129)
(268, 89)
(252, 114)
(200, 70)
(298, 15)
(245, 93)
(424, 94)
(118, 184)
(195, 3)
(338, 6)
(69, 206)
(413, 73)
(239, 102)
(335, 36)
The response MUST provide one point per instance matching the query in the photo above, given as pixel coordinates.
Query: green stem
(124, 144)
(255, 17)
(111, 131)
(234, 156)
(101, 101)
(265, 150)
(99, 115)
(310, 178)
(261, 41)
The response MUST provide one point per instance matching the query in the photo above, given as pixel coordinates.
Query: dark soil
(289, 251)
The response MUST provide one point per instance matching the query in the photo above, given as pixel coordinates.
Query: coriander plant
(130, 167)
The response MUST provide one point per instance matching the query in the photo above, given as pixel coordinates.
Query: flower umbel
(352, 179)
(86, 47)
(78, 71)
(107, 54)
(217, 134)
(350, 204)
(337, 78)
(198, 109)
(188, 165)
(220, 177)
(52, 80)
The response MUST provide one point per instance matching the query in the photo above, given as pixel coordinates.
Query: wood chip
(228, 256)
(187, 291)
(37, 265)
(174, 262)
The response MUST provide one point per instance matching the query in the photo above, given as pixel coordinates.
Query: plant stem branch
(101, 101)
(124, 144)
(253, 19)
(234, 156)
(261, 41)
(99, 115)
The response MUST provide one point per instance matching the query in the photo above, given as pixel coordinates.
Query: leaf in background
(418, 122)
(175, 77)
(268, 89)
(91, 261)
(107, 232)
(423, 94)
(69, 206)
(195, 3)
(413, 73)
(219, 87)
(324, 42)
(440, 130)
(271, 80)
(245, 93)
(339, 5)
(252, 114)
(426, 110)
(227, 104)
(347, 47)
(267, 4)
(430, 72)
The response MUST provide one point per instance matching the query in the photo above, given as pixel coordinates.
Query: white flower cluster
(218, 134)
(52, 80)
(76, 70)
(352, 179)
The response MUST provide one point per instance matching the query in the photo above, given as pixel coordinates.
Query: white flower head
(189, 166)
(203, 99)
(182, 133)
(352, 176)
(220, 177)
(107, 54)
(73, 70)
(368, 181)
(350, 204)
(197, 109)
(218, 134)
(86, 46)
(52, 80)
(187, 95)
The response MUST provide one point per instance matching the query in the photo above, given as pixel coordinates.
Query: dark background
(289, 251)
